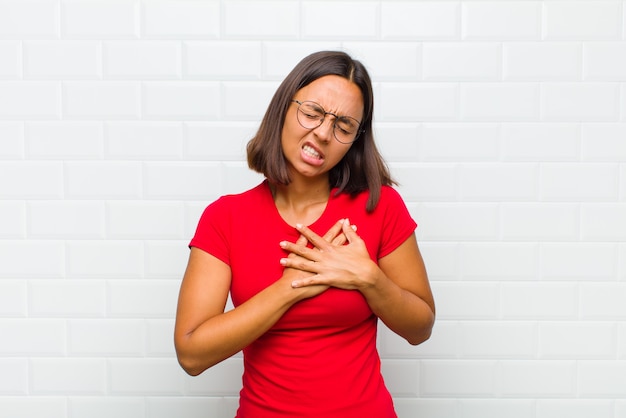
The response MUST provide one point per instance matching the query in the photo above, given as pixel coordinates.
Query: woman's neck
(300, 202)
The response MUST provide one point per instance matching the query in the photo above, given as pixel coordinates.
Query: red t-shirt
(320, 359)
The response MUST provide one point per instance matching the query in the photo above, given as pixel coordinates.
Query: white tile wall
(505, 122)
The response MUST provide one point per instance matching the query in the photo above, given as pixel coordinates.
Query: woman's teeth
(311, 152)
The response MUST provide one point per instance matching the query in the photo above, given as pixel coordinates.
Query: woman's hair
(362, 168)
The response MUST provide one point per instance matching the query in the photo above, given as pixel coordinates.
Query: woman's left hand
(345, 266)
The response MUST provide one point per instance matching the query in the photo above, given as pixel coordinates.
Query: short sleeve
(398, 225)
(212, 231)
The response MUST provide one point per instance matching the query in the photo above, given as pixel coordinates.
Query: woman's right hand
(335, 236)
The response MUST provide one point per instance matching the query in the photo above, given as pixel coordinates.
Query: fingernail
(282, 244)
(295, 284)
(298, 226)
(346, 221)
(283, 261)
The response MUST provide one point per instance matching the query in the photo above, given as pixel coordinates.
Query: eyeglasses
(311, 115)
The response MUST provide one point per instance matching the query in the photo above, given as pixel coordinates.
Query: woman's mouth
(312, 156)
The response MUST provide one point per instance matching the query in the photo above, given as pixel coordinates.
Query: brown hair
(362, 168)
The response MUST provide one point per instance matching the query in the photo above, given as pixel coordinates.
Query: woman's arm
(397, 289)
(204, 334)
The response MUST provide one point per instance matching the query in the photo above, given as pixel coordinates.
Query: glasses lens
(346, 129)
(310, 115)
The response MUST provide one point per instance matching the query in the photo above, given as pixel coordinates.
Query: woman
(312, 257)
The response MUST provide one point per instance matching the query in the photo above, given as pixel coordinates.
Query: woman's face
(313, 152)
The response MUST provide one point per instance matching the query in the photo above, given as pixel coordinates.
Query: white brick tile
(103, 179)
(620, 408)
(443, 343)
(539, 300)
(12, 147)
(224, 379)
(238, 177)
(541, 141)
(29, 100)
(237, 60)
(32, 337)
(14, 377)
(50, 219)
(605, 61)
(398, 141)
(247, 100)
(540, 221)
(281, 57)
(105, 259)
(526, 378)
(191, 213)
(603, 300)
(425, 189)
(145, 220)
(181, 100)
(107, 99)
(159, 340)
(10, 59)
(105, 407)
(17, 19)
(498, 261)
(143, 140)
(180, 19)
(100, 19)
(145, 376)
(218, 140)
(191, 407)
(62, 59)
(345, 21)
(489, 340)
(106, 337)
(33, 406)
(604, 142)
(63, 298)
(450, 378)
(16, 259)
(574, 408)
(621, 259)
(428, 407)
(68, 375)
(456, 300)
(417, 102)
(580, 102)
(181, 181)
(603, 222)
(534, 61)
(489, 182)
(442, 260)
(511, 20)
(391, 61)
(38, 180)
(621, 348)
(577, 340)
(166, 259)
(496, 408)
(464, 222)
(143, 298)
(588, 20)
(587, 181)
(405, 373)
(12, 219)
(602, 379)
(461, 61)
(64, 140)
(142, 59)
(13, 298)
(269, 19)
(499, 102)
(420, 20)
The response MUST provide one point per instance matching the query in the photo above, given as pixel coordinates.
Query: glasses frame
(359, 131)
